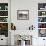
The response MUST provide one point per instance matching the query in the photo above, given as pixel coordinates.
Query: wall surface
(32, 6)
(24, 5)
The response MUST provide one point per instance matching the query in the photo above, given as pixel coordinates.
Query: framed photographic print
(22, 14)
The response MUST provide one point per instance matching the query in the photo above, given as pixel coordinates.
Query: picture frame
(22, 14)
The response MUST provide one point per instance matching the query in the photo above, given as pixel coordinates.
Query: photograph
(22, 14)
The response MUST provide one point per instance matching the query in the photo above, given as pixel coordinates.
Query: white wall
(24, 5)
(32, 6)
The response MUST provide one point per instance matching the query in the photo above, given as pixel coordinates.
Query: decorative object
(22, 14)
(42, 19)
(31, 27)
(43, 25)
(4, 29)
(3, 19)
(41, 6)
(6, 7)
(42, 32)
(3, 13)
(13, 27)
(4, 26)
(23, 40)
(27, 39)
(43, 13)
(0, 7)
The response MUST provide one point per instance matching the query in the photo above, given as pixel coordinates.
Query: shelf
(3, 22)
(3, 10)
(41, 28)
(41, 22)
(42, 16)
(4, 19)
(3, 16)
(41, 10)
(42, 19)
